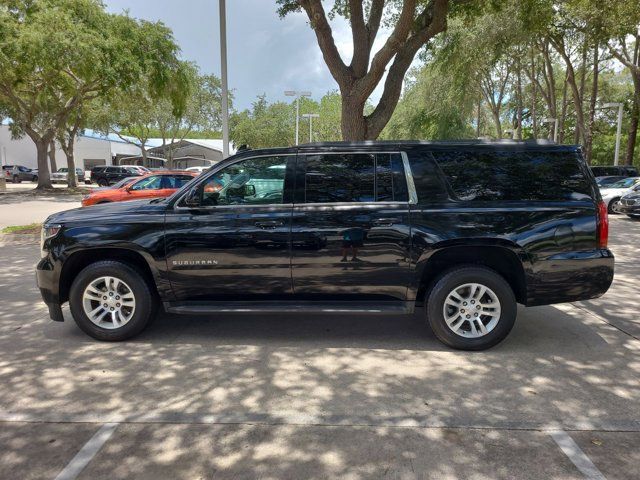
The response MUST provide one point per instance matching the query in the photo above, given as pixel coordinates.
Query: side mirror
(249, 190)
(192, 199)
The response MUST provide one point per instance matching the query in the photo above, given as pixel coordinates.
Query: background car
(611, 194)
(603, 181)
(152, 185)
(105, 175)
(198, 170)
(614, 170)
(140, 168)
(19, 173)
(60, 176)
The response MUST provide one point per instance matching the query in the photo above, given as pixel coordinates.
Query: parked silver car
(61, 175)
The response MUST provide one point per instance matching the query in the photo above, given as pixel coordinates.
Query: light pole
(297, 94)
(619, 130)
(223, 75)
(555, 127)
(311, 116)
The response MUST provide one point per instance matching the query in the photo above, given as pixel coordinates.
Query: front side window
(354, 177)
(255, 181)
(149, 183)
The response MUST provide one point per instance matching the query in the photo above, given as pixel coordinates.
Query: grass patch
(23, 229)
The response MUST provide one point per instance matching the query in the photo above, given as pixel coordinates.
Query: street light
(223, 75)
(297, 94)
(619, 130)
(311, 116)
(555, 127)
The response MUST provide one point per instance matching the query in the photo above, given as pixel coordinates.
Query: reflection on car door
(236, 244)
(350, 226)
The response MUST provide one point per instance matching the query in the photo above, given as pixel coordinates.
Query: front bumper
(629, 209)
(47, 280)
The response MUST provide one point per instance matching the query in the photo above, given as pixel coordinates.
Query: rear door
(236, 244)
(350, 228)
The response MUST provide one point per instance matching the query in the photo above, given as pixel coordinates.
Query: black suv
(463, 230)
(108, 175)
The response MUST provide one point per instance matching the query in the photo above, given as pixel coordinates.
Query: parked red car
(151, 185)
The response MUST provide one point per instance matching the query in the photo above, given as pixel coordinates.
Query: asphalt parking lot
(295, 397)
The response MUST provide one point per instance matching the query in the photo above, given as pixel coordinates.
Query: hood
(115, 212)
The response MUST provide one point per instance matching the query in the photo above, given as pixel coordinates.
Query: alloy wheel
(471, 310)
(108, 302)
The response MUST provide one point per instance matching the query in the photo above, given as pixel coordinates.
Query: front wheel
(471, 308)
(110, 301)
(613, 206)
(103, 183)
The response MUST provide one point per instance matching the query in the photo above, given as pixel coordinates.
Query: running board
(204, 308)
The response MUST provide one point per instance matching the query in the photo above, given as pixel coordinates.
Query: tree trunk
(534, 96)
(354, 124)
(52, 156)
(633, 124)
(563, 112)
(479, 113)
(519, 100)
(42, 148)
(497, 122)
(588, 141)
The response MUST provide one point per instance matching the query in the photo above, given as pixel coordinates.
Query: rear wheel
(103, 183)
(110, 301)
(471, 308)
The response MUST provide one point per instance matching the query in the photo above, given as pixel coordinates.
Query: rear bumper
(569, 277)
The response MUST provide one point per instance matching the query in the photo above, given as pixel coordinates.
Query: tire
(144, 304)
(633, 216)
(103, 183)
(16, 179)
(612, 204)
(497, 326)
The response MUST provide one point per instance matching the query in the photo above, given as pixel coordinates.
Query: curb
(7, 239)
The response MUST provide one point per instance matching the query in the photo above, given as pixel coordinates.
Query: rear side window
(506, 175)
(354, 177)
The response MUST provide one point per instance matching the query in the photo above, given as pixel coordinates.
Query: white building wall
(22, 151)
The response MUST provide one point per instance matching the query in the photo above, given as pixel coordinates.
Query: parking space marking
(87, 452)
(576, 455)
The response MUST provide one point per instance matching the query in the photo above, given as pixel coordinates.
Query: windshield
(626, 183)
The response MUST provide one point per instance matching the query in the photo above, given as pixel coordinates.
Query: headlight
(48, 231)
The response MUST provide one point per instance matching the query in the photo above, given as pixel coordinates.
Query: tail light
(603, 225)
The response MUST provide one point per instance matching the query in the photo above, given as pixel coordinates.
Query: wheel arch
(507, 259)
(79, 260)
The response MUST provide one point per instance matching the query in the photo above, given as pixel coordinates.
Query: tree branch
(360, 35)
(317, 17)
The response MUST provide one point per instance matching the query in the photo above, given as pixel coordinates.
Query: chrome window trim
(411, 188)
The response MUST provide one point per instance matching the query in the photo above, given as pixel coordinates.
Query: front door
(350, 227)
(236, 244)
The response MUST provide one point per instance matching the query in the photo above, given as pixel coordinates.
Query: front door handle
(384, 222)
(269, 225)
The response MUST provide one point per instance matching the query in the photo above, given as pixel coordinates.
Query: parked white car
(611, 194)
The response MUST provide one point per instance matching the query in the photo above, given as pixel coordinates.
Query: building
(93, 148)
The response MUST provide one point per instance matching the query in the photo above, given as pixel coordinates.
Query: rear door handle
(269, 225)
(384, 222)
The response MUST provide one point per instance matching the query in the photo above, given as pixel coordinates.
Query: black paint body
(294, 251)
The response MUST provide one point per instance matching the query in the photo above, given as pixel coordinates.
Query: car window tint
(150, 183)
(508, 175)
(180, 180)
(340, 178)
(391, 184)
(255, 181)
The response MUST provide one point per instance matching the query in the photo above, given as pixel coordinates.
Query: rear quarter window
(517, 176)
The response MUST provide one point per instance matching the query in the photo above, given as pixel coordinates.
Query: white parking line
(87, 452)
(576, 455)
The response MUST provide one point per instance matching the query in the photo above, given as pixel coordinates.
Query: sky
(265, 54)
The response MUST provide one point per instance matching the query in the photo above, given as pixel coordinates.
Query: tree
(56, 55)
(415, 23)
(265, 125)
